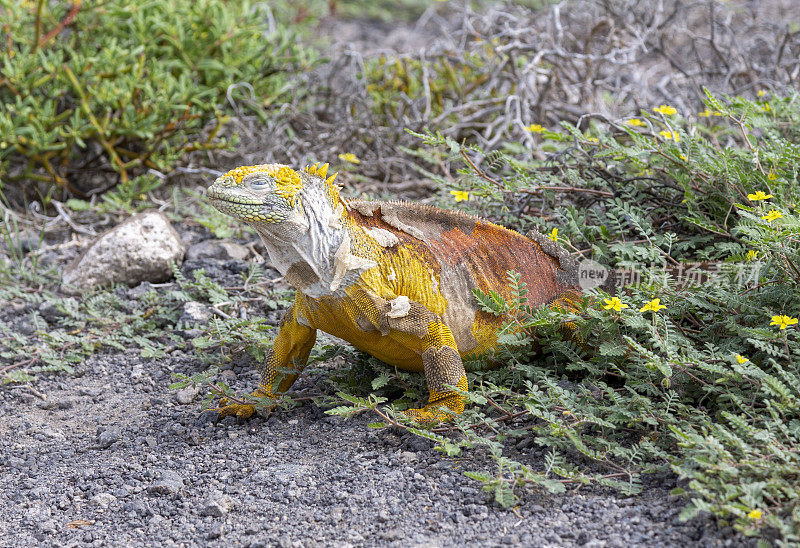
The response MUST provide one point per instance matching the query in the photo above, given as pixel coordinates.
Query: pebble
(169, 483)
(216, 250)
(104, 499)
(195, 313)
(140, 291)
(217, 505)
(187, 395)
(106, 438)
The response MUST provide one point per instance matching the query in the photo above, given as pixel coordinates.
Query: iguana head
(299, 216)
(269, 195)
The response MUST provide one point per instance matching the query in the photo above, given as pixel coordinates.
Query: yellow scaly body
(394, 279)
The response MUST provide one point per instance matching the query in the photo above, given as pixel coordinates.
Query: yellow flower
(752, 255)
(755, 514)
(740, 358)
(654, 305)
(554, 235)
(634, 122)
(759, 195)
(772, 215)
(350, 157)
(665, 110)
(684, 157)
(783, 321)
(766, 108)
(614, 304)
(460, 195)
(771, 176)
(535, 128)
(762, 92)
(593, 139)
(670, 135)
(707, 112)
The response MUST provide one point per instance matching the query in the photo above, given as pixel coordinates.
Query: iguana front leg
(291, 349)
(443, 370)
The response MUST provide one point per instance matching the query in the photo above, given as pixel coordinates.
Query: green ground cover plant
(703, 378)
(104, 319)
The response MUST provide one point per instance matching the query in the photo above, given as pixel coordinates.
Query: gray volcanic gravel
(113, 457)
(114, 450)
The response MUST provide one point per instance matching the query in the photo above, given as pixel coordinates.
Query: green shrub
(96, 93)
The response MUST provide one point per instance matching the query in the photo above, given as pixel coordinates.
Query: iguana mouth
(225, 195)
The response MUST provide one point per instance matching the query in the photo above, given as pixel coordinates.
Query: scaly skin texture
(394, 279)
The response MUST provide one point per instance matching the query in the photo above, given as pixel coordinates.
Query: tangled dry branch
(519, 67)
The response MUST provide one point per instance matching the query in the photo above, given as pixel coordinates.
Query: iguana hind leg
(290, 350)
(443, 371)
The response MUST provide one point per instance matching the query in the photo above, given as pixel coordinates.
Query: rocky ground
(110, 456)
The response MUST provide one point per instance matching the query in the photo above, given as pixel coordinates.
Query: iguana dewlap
(394, 279)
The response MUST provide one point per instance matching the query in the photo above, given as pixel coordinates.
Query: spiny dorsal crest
(321, 171)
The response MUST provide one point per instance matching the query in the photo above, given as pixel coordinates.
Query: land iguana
(393, 278)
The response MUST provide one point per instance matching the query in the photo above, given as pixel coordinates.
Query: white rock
(140, 249)
(195, 313)
(103, 499)
(217, 504)
(187, 395)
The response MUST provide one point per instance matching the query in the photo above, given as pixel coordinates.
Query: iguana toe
(444, 406)
(429, 415)
(229, 408)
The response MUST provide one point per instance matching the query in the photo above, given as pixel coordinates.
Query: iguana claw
(227, 408)
(240, 410)
(444, 406)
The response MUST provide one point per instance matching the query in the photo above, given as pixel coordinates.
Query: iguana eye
(258, 182)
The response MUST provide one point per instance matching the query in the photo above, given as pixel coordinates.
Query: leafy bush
(96, 93)
(440, 86)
